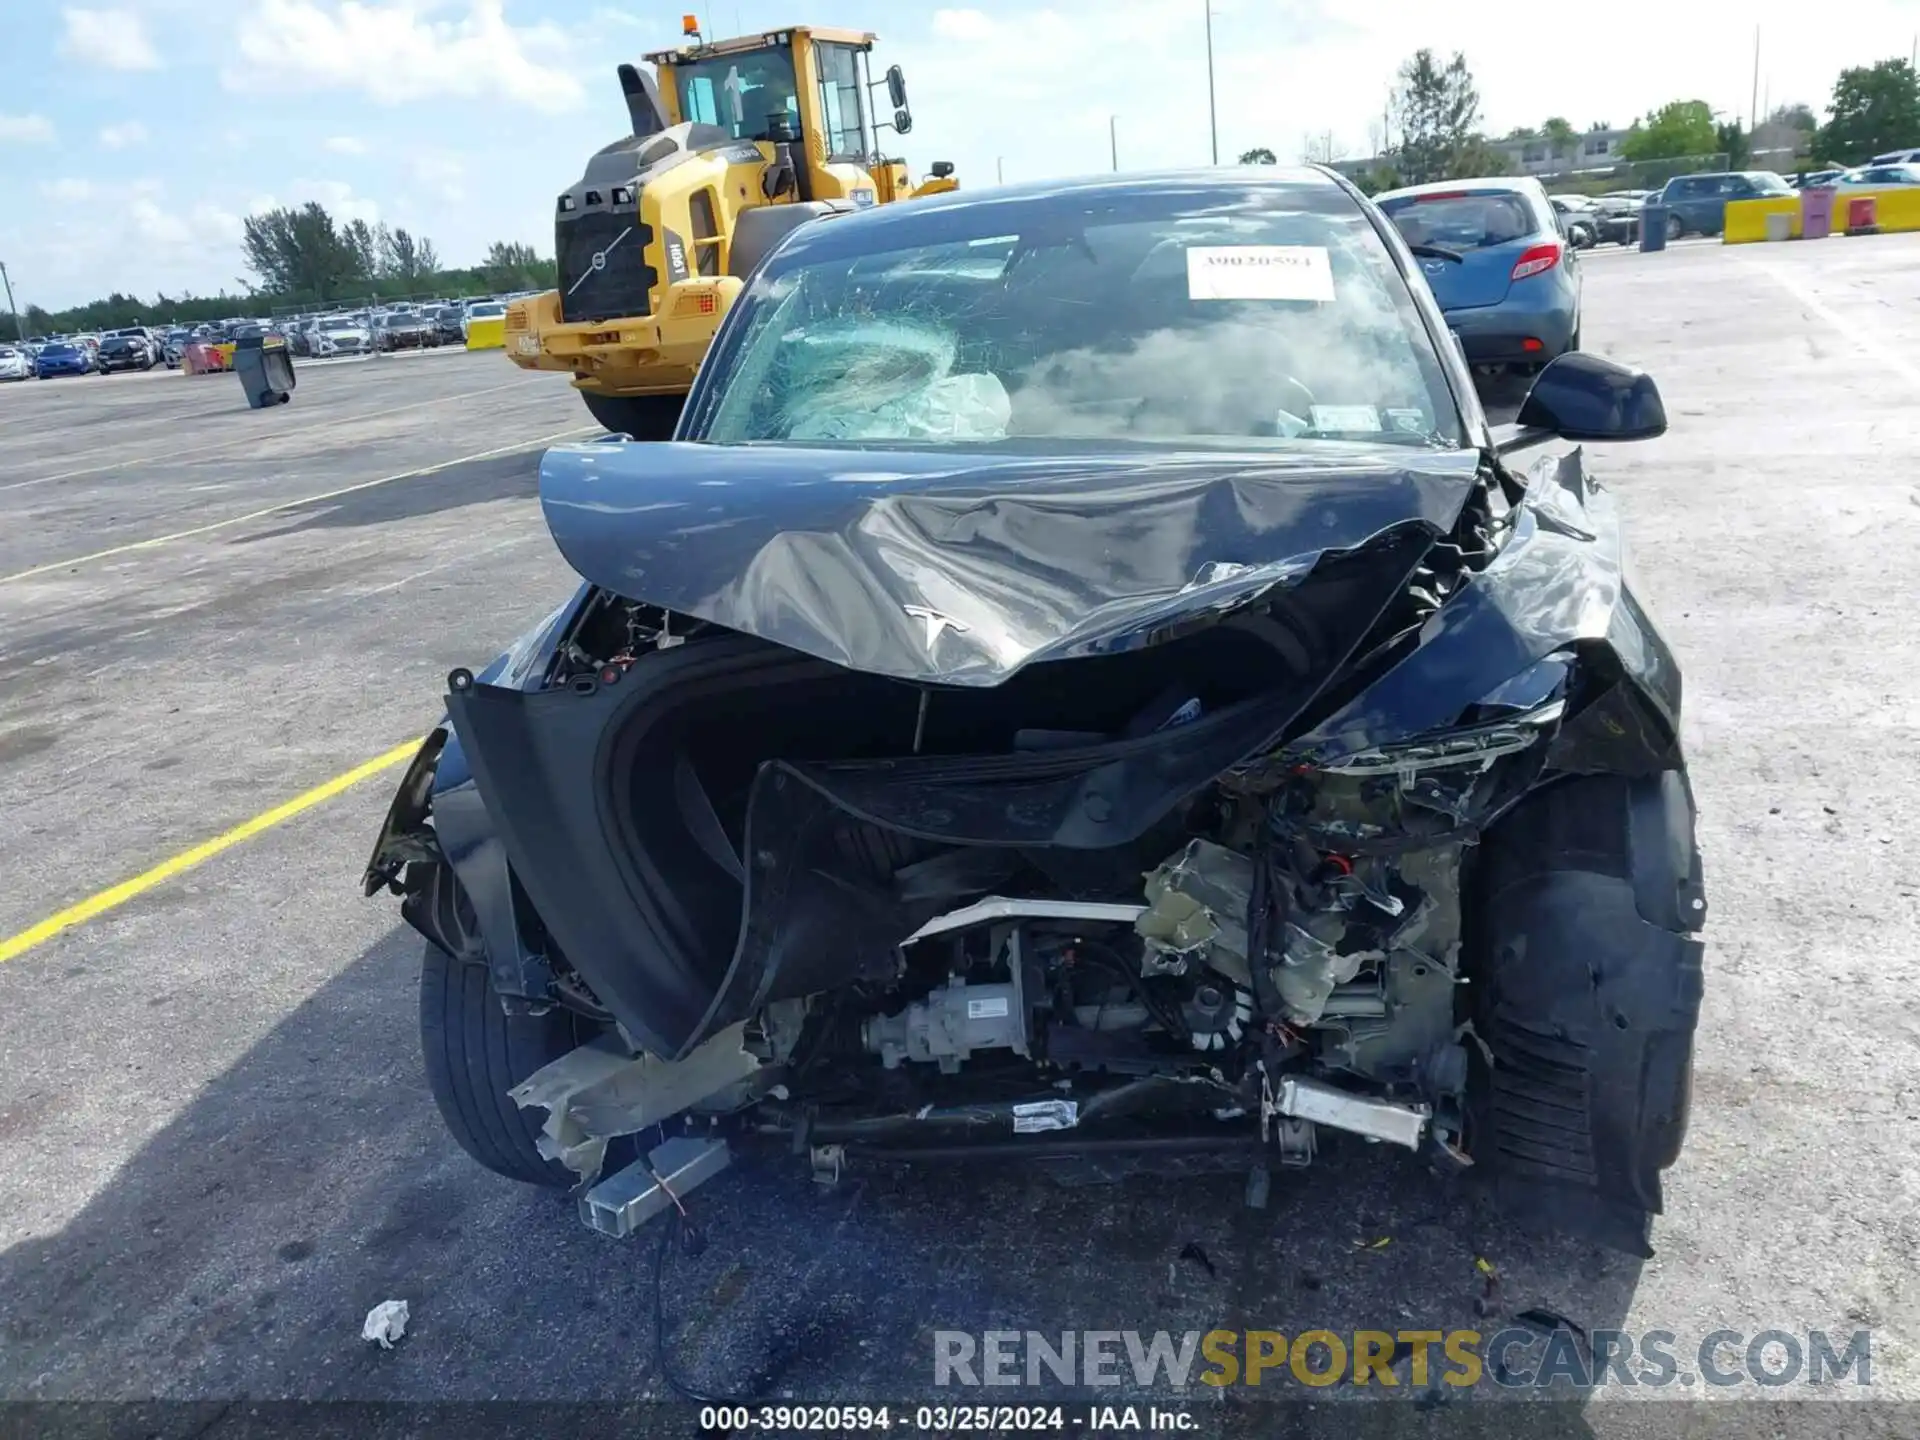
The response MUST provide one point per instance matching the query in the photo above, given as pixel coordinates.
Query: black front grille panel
(622, 284)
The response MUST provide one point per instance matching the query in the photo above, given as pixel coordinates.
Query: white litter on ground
(385, 1323)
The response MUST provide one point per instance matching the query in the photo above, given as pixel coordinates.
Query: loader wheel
(475, 1053)
(644, 417)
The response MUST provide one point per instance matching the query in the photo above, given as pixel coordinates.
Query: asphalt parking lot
(220, 1146)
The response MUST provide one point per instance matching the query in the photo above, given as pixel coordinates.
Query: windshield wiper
(1437, 252)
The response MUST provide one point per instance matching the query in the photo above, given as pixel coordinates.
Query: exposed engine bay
(1387, 836)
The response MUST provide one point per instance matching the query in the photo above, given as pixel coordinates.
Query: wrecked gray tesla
(1087, 683)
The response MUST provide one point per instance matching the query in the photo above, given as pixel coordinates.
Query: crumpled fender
(1557, 585)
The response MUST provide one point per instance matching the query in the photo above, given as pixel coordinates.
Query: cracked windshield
(1161, 318)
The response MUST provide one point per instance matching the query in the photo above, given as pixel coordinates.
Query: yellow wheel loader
(735, 144)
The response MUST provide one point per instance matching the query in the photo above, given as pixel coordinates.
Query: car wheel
(1674, 228)
(1586, 967)
(644, 417)
(475, 1053)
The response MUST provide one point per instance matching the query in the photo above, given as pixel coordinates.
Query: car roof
(1224, 179)
(1496, 184)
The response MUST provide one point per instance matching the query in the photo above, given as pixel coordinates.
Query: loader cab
(805, 87)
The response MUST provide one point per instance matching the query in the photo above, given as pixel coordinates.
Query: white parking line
(1857, 331)
(255, 440)
(261, 514)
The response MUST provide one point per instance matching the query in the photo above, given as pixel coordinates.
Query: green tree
(408, 262)
(1874, 108)
(1680, 127)
(301, 253)
(1259, 155)
(1474, 157)
(1735, 141)
(1559, 136)
(1794, 117)
(511, 265)
(1438, 109)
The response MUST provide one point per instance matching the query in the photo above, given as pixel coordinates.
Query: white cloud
(345, 145)
(68, 190)
(26, 129)
(119, 137)
(441, 174)
(988, 84)
(964, 25)
(393, 51)
(111, 39)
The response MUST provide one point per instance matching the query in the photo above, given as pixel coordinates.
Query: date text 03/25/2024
(944, 1419)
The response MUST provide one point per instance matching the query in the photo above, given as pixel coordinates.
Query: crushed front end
(1360, 809)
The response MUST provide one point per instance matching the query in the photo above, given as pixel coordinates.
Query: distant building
(1594, 150)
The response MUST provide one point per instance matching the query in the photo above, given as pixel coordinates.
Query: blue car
(60, 358)
(1499, 264)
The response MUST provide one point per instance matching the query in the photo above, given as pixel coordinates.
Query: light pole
(1000, 169)
(1113, 139)
(1213, 118)
(19, 329)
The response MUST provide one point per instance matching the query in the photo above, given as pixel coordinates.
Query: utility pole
(1113, 140)
(1000, 169)
(1213, 115)
(19, 328)
(1753, 105)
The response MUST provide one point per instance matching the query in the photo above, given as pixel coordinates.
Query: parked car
(1493, 254)
(124, 352)
(1617, 217)
(1697, 204)
(447, 322)
(1877, 177)
(1817, 179)
(63, 357)
(1897, 157)
(480, 310)
(15, 363)
(996, 840)
(401, 330)
(1579, 219)
(341, 335)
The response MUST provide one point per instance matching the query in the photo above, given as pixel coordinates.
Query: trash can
(1816, 212)
(265, 370)
(1653, 227)
(1863, 215)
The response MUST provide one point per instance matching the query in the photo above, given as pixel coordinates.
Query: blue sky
(135, 134)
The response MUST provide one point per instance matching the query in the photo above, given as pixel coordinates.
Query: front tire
(644, 417)
(1586, 959)
(476, 1052)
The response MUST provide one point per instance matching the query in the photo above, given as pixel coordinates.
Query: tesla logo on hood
(936, 622)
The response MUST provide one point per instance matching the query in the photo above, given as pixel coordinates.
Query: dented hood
(959, 568)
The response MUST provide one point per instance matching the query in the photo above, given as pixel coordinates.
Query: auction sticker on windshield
(1259, 272)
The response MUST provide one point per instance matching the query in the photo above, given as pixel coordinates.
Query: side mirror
(942, 169)
(902, 121)
(1583, 397)
(897, 87)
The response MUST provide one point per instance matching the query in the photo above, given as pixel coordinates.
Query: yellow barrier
(225, 351)
(1747, 219)
(487, 332)
(1896, 209)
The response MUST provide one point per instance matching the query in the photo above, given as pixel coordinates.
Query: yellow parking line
(94, 905)
(287, 505)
